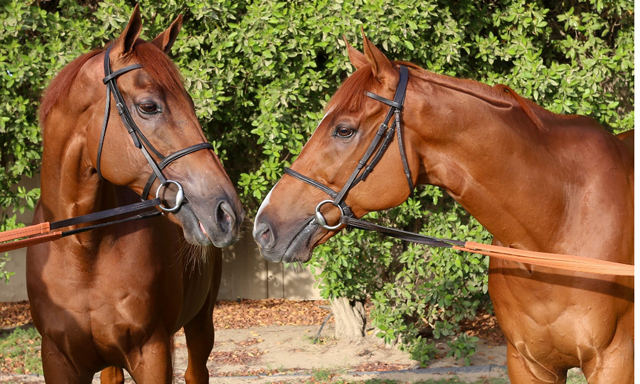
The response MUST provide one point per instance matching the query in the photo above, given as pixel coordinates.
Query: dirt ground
(256, 343)
(289, 353)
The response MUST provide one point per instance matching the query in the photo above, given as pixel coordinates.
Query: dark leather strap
(105, 123)
(120, 71)
(396, 105)
(400, 234)
(154, 166)
(137, 136)
(112, 88)
(131, 208)
(311, 182)
(378, 155)
(343, 206)
(391, 103)
(171, 158)
(141, 216)
(404, 72)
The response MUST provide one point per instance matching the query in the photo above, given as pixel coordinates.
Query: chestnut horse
(114, 296)
(534, 179)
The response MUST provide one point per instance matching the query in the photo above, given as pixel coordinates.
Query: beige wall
(245, 273)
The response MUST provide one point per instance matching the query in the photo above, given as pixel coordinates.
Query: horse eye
(344, 132)
(149, 108)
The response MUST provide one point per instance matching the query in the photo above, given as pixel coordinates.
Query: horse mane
(59, 87)
(350, 95)
(525, 104)
(154, 61)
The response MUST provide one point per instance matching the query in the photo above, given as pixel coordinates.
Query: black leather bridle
(136, 211)
(380, 142)
(139, 139)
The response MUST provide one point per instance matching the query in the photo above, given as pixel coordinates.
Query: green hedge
(260, 73)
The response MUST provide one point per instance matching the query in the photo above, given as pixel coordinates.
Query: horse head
(286, 227)
(151, 128)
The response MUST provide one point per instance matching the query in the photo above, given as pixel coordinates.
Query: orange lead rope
(32, 230)
(51, 236)
(35, 234)
(566, 262)
(552, 260)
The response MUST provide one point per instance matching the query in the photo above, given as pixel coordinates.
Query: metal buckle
(321, 220)
(179, 196)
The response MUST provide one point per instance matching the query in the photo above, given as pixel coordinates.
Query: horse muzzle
(220, 226)
(298, 246)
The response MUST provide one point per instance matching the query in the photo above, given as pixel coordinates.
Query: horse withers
(536, 180)
(113, 297)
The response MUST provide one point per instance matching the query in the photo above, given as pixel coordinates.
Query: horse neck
(70, 186)
(491, 158)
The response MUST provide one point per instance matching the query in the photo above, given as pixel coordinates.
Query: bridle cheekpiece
(139, 139)
(374, 152)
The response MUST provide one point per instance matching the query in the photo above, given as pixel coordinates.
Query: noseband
(139, 139)
(380, 142)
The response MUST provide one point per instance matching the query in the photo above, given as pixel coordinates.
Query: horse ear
(356, 57)
(124, 43)
(165, 40)
(380, 65)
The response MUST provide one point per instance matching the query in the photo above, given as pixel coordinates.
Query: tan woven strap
(566, 262)
(32, 230)
(6, 247)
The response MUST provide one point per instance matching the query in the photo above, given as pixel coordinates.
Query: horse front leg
(199, 331)
(112, 375)
(151, 363)
(199, 335)
(57, 368)
(615, 363)
(525, 371)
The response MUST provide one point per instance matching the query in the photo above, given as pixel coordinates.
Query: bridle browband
(139, 139)
(374, 152)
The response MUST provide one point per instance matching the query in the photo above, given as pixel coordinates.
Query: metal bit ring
(322, 221)
(179, 196)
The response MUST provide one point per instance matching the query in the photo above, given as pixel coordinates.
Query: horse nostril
(225, 217)
(263, 235)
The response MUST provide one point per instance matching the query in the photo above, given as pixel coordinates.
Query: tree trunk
(350, 318)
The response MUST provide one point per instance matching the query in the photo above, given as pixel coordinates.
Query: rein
(566, 262)
(43, 232)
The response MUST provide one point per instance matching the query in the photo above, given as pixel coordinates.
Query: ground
(275, 341)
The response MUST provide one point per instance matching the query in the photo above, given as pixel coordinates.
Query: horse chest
(551, 323)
